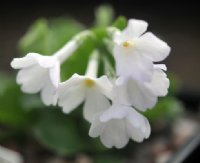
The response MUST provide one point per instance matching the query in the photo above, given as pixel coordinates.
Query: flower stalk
(92, 68)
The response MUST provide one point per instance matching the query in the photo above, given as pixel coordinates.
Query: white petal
(138, 126)
(105, 86)
(116, 111)
(120, 91)
(70, 95)
(46, 61)
(115, 134)
(18, 63)
(133, 64)
(95, 103)
(141, 97)
(160, 66)
(54, 73)
(159, 84)
(75, 80)
(32, 79)
(96, 127)
(49, 94)
(135, 28)
(151, 46)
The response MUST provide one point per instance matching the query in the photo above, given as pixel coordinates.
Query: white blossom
(42, 73)
(9, 156)
(143, 95)
(94, 91)
(135, 51)
(118, 124)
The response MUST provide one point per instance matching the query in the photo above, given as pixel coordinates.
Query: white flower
(135, 51)
(42, 73)
(93, 91)
(143, 95)
(118, 124)
(38, 73)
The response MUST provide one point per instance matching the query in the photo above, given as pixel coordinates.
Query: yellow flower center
(127, 44)
(89, 82)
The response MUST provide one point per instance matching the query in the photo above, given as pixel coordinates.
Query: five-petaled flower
(42, 73)
(143, 95)
(94, 91)
(118, 124)
(38, 73)
(135, 51)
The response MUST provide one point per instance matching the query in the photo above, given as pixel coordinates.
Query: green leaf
(175, 84)
(47, 36)
(104, 15)
(120, 22)
(11, 111)
(58, 132)
(77, 62)
(61, 30)
(167, 109)
(30, 102)
(35, 38)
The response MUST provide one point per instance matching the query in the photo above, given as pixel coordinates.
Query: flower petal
(105, 86)
(140, 96)
(138, 126)
(96, 127)
(71, 94)
(69, 85)
(114, 134)
(160, 66)
(151, 46)
(49, 94)
(116, 111)
(46, 61)
(95, 103)
(32, 79)
(135, 28)
(120, 91)
(159, 84)
(18, 63)
(133, 64)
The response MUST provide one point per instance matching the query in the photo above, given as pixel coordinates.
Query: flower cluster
(111, 105)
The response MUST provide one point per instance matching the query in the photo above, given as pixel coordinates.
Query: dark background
(176, 23)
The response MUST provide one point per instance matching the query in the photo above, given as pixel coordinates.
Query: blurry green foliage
(58, 132)
(64, 134)
(11, 110)
(120, 22)
(104, 16)
(46, 37)
(165, 110)
(168, 107)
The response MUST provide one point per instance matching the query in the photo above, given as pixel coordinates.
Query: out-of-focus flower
(9, 156)
(94, 91)
(135, 51)
(118, 124)
(42, 73)
(143, 95)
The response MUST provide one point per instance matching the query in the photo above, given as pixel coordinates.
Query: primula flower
(135, 51)
(42, 73)
(118, 124)
(143, 95)
(94, 91)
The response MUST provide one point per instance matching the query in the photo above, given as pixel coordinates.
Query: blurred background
(177, 24)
